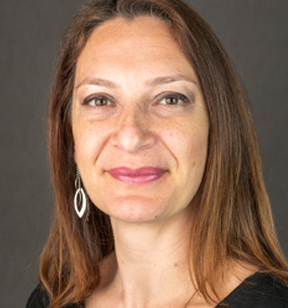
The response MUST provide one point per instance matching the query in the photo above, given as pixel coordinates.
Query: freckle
(122, 262)
(156, 216)
(154, 264)
(175, 264)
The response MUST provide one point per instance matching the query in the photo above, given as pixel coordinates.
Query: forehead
(128, 45)
(130, 34)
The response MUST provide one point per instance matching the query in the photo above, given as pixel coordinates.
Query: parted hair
(231, 207)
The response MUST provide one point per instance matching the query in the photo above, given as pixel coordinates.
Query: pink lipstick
(137, 176)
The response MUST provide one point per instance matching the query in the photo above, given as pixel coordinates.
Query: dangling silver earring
(80, 200)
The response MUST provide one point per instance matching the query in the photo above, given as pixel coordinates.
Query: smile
(137, 176)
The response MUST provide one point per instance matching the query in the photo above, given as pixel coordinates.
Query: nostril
(129, 139)
(132, 132)
(132, 138)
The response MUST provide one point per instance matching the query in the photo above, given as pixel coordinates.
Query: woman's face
(139, 121)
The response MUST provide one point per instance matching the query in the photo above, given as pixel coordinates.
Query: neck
(152, 262)
(150, 268)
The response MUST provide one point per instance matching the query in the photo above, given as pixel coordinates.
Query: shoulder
(40, 299)
(259, 291)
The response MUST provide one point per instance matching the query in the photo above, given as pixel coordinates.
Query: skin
(133, 69)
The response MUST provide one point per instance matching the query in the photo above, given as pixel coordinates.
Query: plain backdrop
(253, 32)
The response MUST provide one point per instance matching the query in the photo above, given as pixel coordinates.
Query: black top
(257, 291)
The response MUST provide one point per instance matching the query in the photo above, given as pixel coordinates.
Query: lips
(137, 176)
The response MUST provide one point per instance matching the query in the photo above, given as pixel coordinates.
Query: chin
(134, 209)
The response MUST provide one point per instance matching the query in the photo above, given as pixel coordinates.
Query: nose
(132, 132)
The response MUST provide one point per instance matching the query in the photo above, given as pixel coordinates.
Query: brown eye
(97, 101)
(171, 100)
(174, 99)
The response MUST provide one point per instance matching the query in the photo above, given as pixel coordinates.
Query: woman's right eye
(97, 101)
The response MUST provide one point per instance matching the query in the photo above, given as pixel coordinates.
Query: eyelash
(89, 99)
(158, 98)
(178, 96)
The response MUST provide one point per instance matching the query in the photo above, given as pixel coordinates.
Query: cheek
(88, 140)
(197, 150)
(187, 143)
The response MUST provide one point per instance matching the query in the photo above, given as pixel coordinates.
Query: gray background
(255, 35)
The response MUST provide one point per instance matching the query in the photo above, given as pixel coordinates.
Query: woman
(156, 167)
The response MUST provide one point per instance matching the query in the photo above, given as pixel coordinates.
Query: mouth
(137, 176)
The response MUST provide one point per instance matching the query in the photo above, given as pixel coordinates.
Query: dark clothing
(257, 291)
(39, 299)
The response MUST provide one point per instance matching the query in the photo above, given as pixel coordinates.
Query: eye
(174, 99)
(97, 101)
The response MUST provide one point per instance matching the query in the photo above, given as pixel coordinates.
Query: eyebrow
(96, 82)
(169, 79)
(151, 82)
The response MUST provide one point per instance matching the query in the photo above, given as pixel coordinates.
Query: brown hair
(232, 211)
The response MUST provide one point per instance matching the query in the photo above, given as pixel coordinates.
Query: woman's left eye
(174, 99)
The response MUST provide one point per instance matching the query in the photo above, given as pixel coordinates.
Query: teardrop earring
(80, 200)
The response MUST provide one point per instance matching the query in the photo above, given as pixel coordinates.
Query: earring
(80, 199)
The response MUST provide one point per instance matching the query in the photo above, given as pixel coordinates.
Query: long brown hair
(233, 214)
